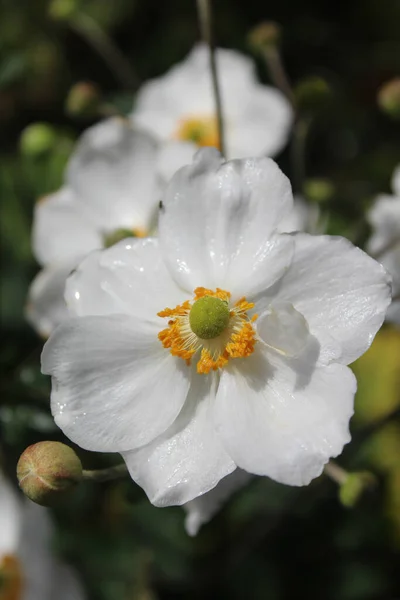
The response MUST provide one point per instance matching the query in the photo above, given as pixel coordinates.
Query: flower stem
(277, 71)
(87, 27)
(336, 473)
(205, 19)
(108, 474)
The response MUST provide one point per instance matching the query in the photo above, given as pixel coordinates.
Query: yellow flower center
(203, 131)
(210, 328)
(11, 581)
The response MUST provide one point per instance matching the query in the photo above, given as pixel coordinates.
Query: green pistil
(209, 317)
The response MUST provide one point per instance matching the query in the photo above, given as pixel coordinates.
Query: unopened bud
(37, 139)
(354, 487)
(47, 470)
(318, 190)
(83, 100)
(60, 10)
(264, 35)
(312, 93)
(389, 98)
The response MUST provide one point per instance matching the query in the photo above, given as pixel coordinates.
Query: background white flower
(180, 105)
(112, 187)
(281, 404)
(384, 244)
(28, 569)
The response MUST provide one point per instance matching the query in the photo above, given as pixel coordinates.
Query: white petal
(340, 290)
(129, 277)
(302, 217)
(384, 217)
(217, 224)
(188, 459)
(10, 518)
(284, 329)
(284, 418)
(113, 172)
(264, 125)
(172, 156)
(114, 386)
(65, 583)
(46, 307)
(204, 508)
(61, 230)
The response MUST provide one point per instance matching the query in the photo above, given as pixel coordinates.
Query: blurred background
(270, 541)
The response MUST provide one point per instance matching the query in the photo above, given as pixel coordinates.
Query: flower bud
(47, 470)
(61, 10)
(389, 98)
(312, 93)
(83, 100)
(264, 35)
(37, 139)
(354, 486)
(318, 190)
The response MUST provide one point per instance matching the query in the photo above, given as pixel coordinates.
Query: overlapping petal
(284, 418)
(114, 386)
(129, 278)
(188, 459)
(340, 290)
(62, 231)
(217, 223)
(112, 172)
(46, 307)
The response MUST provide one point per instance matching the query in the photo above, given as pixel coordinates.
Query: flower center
(208, 317)
(117, 235)
(209, 328)
(11, 581)
(202, 130)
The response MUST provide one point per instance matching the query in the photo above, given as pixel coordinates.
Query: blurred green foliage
(271, 541)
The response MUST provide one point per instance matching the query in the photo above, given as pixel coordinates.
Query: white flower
(167, 362)
(384, 244)
(113, 184)
(28, 569)
(180, 105)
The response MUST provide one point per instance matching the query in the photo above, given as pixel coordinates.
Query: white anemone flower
(180, 105)
(222, 343)
(28, 569)
(113, 184)
(384, 244)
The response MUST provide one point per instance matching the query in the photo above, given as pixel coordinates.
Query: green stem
(336, 473)
(108, 474)
(102, 43)
(277, 72)
(205, 19)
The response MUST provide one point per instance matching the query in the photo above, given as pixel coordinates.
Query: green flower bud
(83, 100)
(312, 93)
(61, 10)
(209, 317)
(264, 35)
(318, 190)
(37, 139)
(47, 470)
(354, 486)
(389, 98)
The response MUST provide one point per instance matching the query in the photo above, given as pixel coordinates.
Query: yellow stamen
(202, 130)
(11, 580)
(236, 341)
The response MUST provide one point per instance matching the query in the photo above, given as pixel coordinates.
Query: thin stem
(298, 151)
(102, 43)
(277, 71)
(108, 474)
(205, 19)
(336, 473)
